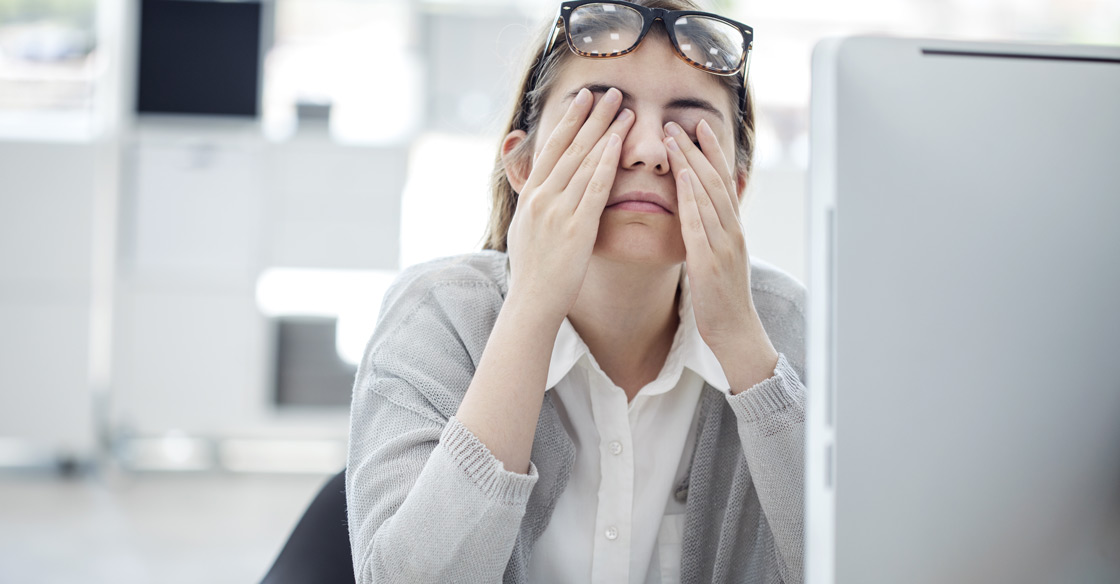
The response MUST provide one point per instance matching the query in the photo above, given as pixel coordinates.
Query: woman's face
(659, 87)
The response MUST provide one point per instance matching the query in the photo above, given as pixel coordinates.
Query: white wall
(46, 237)
(774, 219)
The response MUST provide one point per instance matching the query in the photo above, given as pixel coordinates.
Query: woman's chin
(639, 243)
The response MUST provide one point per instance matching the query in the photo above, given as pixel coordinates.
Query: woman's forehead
(653, 73)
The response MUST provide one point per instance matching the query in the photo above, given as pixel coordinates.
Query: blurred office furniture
(313, 117)
(318, 550)
(210, 206)
(128, 309)
(308, 369)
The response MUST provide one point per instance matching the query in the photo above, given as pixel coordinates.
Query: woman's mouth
(641, 202)
(639, 206)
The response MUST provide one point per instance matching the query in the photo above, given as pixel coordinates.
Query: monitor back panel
(964, 336)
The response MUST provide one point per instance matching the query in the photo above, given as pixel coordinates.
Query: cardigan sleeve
(771, 424)
(426, 500)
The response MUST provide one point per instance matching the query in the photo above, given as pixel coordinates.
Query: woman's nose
(643, 146)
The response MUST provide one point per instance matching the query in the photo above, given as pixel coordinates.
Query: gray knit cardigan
(428, 502)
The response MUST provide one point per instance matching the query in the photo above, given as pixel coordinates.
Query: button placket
(616, 489)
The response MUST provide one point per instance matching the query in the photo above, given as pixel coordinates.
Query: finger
(709, 143)
(581, 146)
(713, 183)
(702, 202)
(576, 188)
(692, 225)
(599, 185)
(559, 139)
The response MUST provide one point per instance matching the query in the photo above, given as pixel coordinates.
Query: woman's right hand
(556, 223)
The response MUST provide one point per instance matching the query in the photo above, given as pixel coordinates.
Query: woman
(611, 391)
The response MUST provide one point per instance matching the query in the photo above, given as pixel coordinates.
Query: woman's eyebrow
(597, 88)
(679, 103)
(695, 103)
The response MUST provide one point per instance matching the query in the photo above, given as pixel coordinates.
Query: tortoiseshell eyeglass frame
(649, 15)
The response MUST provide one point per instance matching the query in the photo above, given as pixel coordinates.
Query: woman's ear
(517, 167)
(741, 185)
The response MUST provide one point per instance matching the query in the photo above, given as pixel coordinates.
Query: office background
(202, 202)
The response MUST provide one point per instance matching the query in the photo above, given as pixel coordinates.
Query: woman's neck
(627, 315)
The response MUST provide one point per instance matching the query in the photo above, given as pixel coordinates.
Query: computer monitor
(963, 362)
(199, 57)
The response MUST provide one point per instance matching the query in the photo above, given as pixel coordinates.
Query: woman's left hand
(716, 257)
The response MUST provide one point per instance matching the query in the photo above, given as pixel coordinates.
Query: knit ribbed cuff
(780, 391)
(483, 468)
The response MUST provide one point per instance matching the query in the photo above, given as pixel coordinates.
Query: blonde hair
(526, 113)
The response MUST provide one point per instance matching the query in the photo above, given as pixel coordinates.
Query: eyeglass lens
(710, 43)
(602, 29)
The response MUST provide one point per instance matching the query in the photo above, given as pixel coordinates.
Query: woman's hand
(554, 227)
(716, 257)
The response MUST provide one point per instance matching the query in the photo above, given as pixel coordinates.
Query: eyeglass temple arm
(559, 20)
(744, 69)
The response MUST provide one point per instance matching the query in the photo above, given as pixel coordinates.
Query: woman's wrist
(527, 309)
(502, 404)
(748, 360)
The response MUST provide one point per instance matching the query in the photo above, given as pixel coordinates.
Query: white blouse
(618, 520)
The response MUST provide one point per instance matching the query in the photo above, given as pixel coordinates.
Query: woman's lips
(639, 206)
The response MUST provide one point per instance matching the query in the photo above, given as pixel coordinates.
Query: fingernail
(704, 127)
(614, 140)
(672, 144)
(625, 115)
(672, 128)
(612, 95)
(583, 96)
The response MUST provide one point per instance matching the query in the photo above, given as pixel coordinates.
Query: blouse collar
(688, 350)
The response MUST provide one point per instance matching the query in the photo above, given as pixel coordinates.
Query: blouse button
(616, 447)
(612, 533)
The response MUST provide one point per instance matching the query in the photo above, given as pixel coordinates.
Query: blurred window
(47, 67)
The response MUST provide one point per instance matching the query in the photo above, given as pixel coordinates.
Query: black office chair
(318, 550)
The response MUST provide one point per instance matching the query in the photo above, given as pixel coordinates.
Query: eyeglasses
(604, 29)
